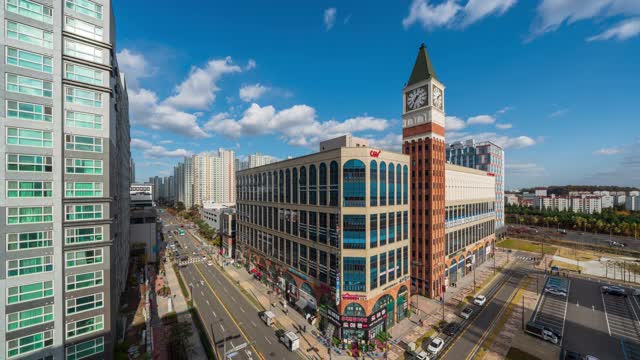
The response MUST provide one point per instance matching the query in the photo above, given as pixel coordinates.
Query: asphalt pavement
(474, 334)
(226, 311)
(583, 237)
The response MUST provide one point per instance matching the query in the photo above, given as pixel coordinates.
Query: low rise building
(633, 203)
(330, 231)
(512, 199)
(143, 217)
(211, 213)
(470, 216)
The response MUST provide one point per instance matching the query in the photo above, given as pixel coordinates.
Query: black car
(614, 290)
(572, 355)
(451, 329)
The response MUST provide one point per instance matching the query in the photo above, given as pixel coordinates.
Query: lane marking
(605, 312)
(214, 314)
(266, 338)
(260, 356)
(254, 324)
(208, 302)
(241, 309)
(221, 328)
(564, 319)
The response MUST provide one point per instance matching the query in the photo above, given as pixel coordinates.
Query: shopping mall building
(330, 232)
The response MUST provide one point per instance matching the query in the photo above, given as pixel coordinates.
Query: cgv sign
(375, 153)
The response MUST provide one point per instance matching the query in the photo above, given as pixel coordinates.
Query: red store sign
(375, 153)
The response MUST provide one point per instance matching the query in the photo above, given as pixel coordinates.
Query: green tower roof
(423, 69)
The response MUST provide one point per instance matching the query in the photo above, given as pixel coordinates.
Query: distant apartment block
(206, 177)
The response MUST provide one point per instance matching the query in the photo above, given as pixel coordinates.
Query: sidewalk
(181, 309)
(428, 312)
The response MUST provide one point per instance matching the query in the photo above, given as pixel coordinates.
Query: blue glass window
(334, 180)
(383, 229)
(383, 269)
(392, 185)
(405, 260)
(354, 183)
(288, 186)
(295, 185)
(303, 185)
(313, 185)
(354, 231)
(392, 228)
(373, 230)
(373, 183)
(383, 184)
(281, 187)
(373, 272)
(354, 270)
(392, 265)
(323, 184)
(405, 184)
(398, 184)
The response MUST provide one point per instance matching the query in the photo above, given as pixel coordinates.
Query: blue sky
(553, 81)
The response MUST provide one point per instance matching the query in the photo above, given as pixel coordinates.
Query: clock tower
(423, 122)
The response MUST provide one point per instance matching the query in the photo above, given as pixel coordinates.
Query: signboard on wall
(337, 289)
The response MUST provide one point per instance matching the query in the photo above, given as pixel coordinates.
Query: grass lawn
(524, 245)
(576, 255)
(517, 354)
(566, 266)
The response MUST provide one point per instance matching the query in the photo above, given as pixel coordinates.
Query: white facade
(213, 177)
(607, 201)
(512, 199)
(633, 203)
(212, 213)
(463, 184)
(619, 200)
(634, 193)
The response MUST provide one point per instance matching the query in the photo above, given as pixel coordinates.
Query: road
(581, 237)
(475, 332)
(225, 310)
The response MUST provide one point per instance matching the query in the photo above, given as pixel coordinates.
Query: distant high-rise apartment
(206, 177)
(65, 176)
(132, 174)
(485, 156)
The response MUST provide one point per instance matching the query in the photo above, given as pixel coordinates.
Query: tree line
(566, 189)
(608, 221)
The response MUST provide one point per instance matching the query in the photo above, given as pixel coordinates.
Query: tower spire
(423, 69)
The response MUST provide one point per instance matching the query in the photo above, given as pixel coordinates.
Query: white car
(422, 356)
(210, 263)
(556, 292)
(480, 300)
(466, 312)
(435, 345)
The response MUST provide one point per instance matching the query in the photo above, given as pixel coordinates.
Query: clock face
(417, 98)
(437, 98)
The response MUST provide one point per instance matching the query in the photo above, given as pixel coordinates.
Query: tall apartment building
(423, 140)
(485, 156)
(65, 179)
(331, 231)
(132, 173)
(206, 177)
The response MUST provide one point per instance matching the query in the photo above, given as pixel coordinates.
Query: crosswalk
(190, 261)
(528, 258)
(620, 318)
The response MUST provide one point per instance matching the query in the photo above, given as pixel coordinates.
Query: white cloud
(145, 110)
(297, 125)
(251, 64)
(504, 110)
(134, 66)
(481, 120)
(517, 142)
(504, 126)
(198, 91)
(165, 142)
(390, 142)
(552, 14)
(607, 151)
(252, 92)
(454, 123)
(150, 151)
(621, 31)
(329, 18)
(524, 169)
(451, 13)
(558, 113)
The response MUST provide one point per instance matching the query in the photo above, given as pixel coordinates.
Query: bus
(181, 231)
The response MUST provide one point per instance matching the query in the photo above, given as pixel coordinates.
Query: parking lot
(552, 309)
(590, 321)
(621, 317)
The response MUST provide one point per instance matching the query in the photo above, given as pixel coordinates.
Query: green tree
(180, 206)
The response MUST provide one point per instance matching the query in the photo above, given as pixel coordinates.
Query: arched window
(264, 187)
(313, 185)
(281, 187)
(334, 183)
(269, 187)
(275, 186)
(303, 185)
(392, 185)
(354, 309)
(295, 185)
(405, 185)
(287, 187)
(383, 184)
(354, 182)
(373, 183)
(323, 184)
(398, 184)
